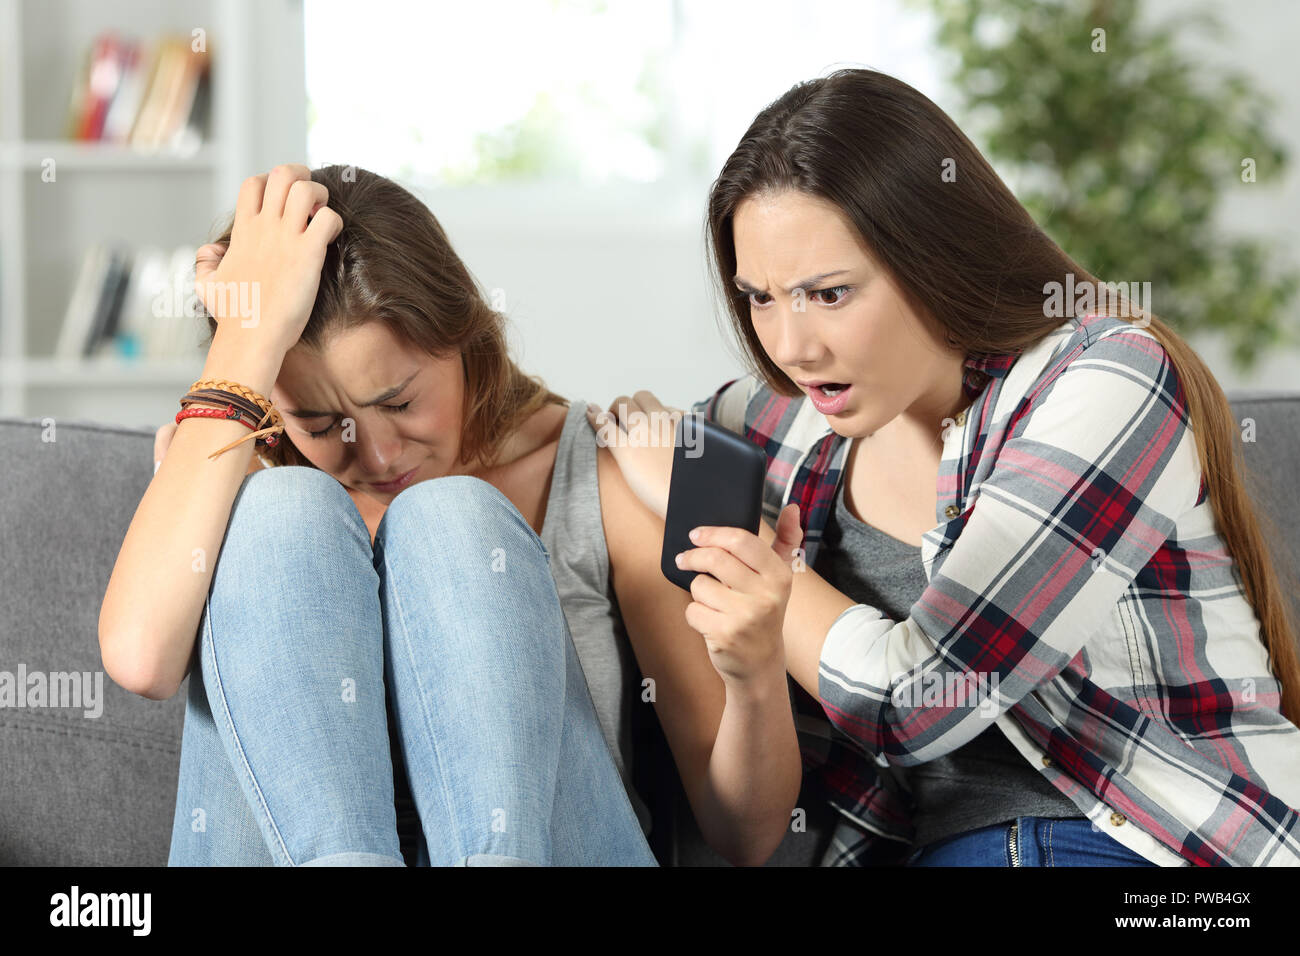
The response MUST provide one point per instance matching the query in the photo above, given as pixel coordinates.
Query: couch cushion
(1269, 426)
(77, 789)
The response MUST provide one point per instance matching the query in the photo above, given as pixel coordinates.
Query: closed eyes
(395, 409)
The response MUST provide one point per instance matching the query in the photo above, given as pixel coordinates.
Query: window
(580, 91)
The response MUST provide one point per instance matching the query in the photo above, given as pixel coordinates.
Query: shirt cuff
(843, 631)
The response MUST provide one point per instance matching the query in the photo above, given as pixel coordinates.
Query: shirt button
(1117, 819)
(1047, 761)
(951, 511)
(961, 418)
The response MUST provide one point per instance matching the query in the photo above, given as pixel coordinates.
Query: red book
(103, 76)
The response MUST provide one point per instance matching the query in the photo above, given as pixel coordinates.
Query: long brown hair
(393, 263)
(969, 258)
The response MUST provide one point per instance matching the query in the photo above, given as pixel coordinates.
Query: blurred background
(567, 147)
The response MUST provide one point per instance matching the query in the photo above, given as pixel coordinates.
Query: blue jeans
(454, 614)
(1029, 841)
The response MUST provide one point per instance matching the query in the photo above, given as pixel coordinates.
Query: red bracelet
(229, 411)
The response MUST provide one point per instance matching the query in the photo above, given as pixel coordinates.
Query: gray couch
(100, 791)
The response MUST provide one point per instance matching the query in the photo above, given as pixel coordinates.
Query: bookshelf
(107, 192)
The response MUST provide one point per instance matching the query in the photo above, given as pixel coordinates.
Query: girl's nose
(794, 345)
(378, 449)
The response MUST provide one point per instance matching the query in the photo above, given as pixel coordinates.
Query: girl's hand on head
(738, 602)
(267, 276)
(640, 432)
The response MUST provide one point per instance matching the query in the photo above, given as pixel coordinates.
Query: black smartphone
(717, 479)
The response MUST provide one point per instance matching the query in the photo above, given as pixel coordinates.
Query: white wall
(604, 297)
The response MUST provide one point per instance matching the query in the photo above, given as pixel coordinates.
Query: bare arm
(814, 606)
(155, 596)
(733, 741)
(152, 607)
(163, 440)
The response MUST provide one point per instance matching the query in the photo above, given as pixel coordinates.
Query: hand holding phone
(717, 479)
(739, 581)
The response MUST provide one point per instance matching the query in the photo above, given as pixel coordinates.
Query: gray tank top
(985, 781)
(574, 536)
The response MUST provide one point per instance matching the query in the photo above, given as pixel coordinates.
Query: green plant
(1124, 145)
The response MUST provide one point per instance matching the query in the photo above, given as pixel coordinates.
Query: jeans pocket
(1080, 843)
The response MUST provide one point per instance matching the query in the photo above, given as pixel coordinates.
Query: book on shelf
(133, 305)
(152, 96)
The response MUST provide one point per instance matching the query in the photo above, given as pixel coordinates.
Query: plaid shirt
(1076, 576)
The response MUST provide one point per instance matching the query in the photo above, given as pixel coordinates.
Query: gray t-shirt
(574, 536)
(983, 782)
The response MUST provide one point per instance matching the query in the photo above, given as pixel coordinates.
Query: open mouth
(830, 398)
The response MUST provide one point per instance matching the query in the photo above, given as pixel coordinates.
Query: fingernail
(695, 534)
(678, 560)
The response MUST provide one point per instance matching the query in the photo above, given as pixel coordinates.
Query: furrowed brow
(744, 286)
(378, 399)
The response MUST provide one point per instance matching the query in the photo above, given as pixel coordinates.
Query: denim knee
(467, 554)
(284, 499)
(290, 484)
(284, 522)
(454, 508)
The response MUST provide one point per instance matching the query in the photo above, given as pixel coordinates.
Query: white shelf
(103, 371)
(69, 154)
(114, 192)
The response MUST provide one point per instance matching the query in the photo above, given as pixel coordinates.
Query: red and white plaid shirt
(1076, 570)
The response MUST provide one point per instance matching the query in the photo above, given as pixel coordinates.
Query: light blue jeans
(285, 754)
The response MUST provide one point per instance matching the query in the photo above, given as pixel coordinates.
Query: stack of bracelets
(211, 399)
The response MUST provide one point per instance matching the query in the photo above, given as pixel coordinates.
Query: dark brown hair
(392, 263)
(971, 261)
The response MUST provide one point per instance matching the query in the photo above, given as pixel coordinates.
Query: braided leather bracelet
(221, 399)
